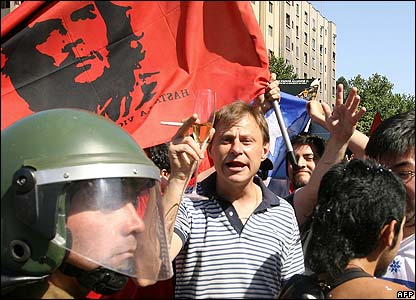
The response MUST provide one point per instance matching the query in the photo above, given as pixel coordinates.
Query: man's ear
(265, 151)
(388, 234)
(164, 174)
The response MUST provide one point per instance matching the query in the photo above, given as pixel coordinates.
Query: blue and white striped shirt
(222, 258)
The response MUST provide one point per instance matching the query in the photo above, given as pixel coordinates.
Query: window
(291, 48)
(321, 31)
(320, 67)
(305, 75)
(270, 7)
(270, 30)
(297, 10)
(287, 43)
(313, 44)
(305, 58)
(297, 31)
(297, 71)
(333, 91)
(334, 38)
(288, 20)
(313, 25)
(325, 50)
(306, 17)
(333, 56)
(333, 73)
(321, 47)
(287, 62)
(305, 37)
(325, 72)
(297, 52)
(313, 62)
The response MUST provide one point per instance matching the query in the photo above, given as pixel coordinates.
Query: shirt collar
(269, 198)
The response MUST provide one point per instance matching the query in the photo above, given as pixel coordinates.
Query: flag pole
(289, 152)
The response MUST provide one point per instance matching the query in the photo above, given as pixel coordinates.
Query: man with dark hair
(308, 149)
(356, 230)
(75, 67)
(393, 145)
(159, 154)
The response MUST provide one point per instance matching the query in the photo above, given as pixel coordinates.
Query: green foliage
(280, 68)
(377, 95)
(344, 82)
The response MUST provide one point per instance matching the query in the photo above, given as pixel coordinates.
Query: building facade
(297, 31)
(8, 6)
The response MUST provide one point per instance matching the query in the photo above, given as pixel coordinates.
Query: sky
(374, 37)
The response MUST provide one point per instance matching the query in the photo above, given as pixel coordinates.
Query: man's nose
(134, 223)
(301, 162)
(236, 147)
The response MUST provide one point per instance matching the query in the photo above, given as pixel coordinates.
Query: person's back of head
(355, 200)
(159, 154)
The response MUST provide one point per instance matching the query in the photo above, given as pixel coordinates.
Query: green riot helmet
(77, 189)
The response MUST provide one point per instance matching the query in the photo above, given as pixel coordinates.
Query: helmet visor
(115, 223)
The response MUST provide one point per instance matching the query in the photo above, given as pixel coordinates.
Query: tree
(345, 84)
(377, 96)
(280, 68)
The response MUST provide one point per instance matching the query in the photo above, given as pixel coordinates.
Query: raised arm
(358, 140)
(183, 152)
(341, 125)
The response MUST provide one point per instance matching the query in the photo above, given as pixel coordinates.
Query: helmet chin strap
(100, 280)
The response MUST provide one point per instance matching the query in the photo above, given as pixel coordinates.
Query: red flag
(376, 122)
(135, 62)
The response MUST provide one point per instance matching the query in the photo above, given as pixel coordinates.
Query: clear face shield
(115, 223)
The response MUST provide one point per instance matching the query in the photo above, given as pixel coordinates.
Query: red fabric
(185, 45)
(376, 122)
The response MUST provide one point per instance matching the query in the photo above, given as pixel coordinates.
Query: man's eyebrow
(402, 164)
(83, 13)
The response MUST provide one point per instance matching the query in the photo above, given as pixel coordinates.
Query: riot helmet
(78, 191)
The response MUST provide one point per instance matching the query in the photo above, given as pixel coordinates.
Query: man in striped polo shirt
(244, 241)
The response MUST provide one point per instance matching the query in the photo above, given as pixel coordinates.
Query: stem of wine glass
(194, 188)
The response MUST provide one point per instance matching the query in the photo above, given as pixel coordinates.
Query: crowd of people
(98, 217)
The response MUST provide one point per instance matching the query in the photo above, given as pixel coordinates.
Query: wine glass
(205, 108)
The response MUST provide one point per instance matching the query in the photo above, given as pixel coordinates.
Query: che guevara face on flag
(82, 55)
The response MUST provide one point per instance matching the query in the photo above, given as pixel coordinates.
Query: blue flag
(295, 118)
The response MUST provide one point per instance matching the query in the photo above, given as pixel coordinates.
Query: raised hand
(184, 150)
(342, 121)
(271, 93)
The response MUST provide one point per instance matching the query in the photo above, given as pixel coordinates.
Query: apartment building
(8, 6)
(297, 31)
